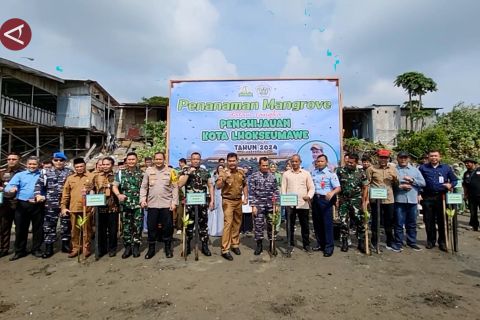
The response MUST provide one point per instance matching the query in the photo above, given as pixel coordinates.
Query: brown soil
(410, 285)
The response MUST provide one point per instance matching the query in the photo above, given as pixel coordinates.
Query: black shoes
(37, 253)
(48, 251)
(361, 246)
(205, 249)
(112, 253)
(66, 248)
(344, 247)
(259, 248)
(227, 256)
(168, 249)
(151, 251)
(328, 254)
(127, 253)
(136, 250)
(17, 256)
(442, 247)
(307, 249)
(317, 248)
(236, 251)
(429, 245)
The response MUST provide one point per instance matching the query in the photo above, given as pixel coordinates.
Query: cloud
(211, 63)
(296, 64)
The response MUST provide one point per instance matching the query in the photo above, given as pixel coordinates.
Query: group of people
(42, 197)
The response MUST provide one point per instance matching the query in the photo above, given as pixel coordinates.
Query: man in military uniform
(471, 187)
(49, 188)
(7, 208)
(353, 182)
(233, 183)
(72, 202)
(159, 192)
(196, 180)
(107, 227)
(262, 188)
(127, 189)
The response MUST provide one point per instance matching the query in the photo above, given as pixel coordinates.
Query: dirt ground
(410, 285)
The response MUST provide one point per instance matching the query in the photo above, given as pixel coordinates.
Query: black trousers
(25, 213)
(7, 214)
(159, 218)
(433, 214)
(387, 212)
(107, 230)
(473, 203)
(302, 214)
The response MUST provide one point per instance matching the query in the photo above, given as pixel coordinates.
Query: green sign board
(378, 193)
(454, 198)
(95, 200)
(197, 198)
(288, 200)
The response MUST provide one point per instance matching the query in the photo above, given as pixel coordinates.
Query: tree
(415, 84)
(155, 101)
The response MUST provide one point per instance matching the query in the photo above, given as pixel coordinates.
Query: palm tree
(415, 84)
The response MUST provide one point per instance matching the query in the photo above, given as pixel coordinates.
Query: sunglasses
(58, 160)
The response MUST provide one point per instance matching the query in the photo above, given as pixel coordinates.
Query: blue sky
(134, 47)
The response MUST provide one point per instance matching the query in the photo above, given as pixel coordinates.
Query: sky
(133, 48)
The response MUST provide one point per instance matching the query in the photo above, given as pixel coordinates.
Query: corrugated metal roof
(17, 66)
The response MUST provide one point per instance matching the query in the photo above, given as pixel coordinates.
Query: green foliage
(462, 126)
(420, 142)
(156, 135)
(156, 101)
(361, 146)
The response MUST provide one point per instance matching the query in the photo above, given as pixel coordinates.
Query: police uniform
(129, 183)
(160, 191)
(7, 209)
(50, 185)
(262, 188)
(352, 181)
(107, 228)
(197, 182)
(471, 183)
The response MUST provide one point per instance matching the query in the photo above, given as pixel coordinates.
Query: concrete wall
(386, 123)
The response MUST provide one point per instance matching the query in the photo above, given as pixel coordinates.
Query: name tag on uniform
(454, 198)
(197, 198)
(289, 200)
(95, 200)
(440, 179)
(378, 193)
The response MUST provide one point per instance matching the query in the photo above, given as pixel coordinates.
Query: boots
(48, 251)
(136, 250)
(259, 248)
(128, 252)
(66, 246)
(151, 251)
(344, 245)
(361, 246)
(168, 249)
(205, 249)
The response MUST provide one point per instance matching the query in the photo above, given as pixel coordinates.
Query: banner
(254, 118)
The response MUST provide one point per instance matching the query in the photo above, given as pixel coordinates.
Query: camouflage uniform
(7, 208)
(128, 183)
(50, 184)
(350, 200)
(262, 188)
(197, 182)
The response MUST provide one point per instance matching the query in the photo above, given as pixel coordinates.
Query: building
(41, 113)
(132, 116)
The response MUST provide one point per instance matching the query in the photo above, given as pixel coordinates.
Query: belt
(236, 199)
(322, 196)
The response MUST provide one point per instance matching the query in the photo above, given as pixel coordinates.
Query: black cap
(403, 154)
(470, 160)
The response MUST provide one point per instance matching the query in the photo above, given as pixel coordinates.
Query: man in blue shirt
(327, 186)
(406, 202)
(28, 210)
(439, 179)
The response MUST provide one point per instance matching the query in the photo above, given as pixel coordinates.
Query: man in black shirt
(471, 187)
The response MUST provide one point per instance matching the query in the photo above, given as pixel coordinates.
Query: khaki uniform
(72, 199)
(232, 208)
